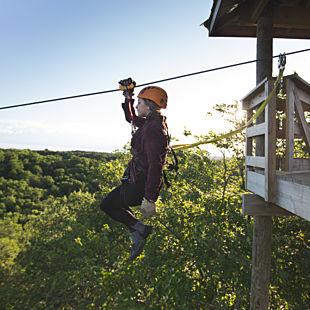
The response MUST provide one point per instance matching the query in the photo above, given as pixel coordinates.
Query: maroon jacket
(149, 147)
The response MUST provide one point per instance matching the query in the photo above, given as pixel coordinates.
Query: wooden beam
(280, 104)
(261, 257)
(288, 17)
(258, 91)
(255, 161)
(289, 126)
(304, 125)
(259, 99)
(255, 205)
(297, 132)
(237, 12)
(300, 177)
(262, 227)
(214, 16)
(256, 130)
(304, 97)
(302, 3)
(259, 7)
(249, 31)
(301, 84)
(248, 140)
(301, 164)
(270, 146)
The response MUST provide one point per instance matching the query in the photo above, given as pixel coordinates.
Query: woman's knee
(103, 205)
(111, 201)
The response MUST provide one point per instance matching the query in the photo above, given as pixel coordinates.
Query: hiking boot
(147, 230)
(144, 230)
(137, 248)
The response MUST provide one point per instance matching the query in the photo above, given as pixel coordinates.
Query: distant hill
(28, 178)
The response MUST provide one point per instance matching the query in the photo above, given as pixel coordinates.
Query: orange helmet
(156, 94)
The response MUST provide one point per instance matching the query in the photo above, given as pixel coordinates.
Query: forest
(58, 250)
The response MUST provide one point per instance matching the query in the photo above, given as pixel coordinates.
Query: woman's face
(142, 108)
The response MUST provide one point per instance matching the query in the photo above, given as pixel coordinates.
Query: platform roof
(238, 18)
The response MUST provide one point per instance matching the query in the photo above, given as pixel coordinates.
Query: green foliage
(28, 178)
(59, 251)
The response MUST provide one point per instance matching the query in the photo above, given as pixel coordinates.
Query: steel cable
(149, 83)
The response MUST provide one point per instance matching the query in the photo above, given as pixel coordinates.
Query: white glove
(148, 208)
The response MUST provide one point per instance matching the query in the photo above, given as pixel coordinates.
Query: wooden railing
(293, 125)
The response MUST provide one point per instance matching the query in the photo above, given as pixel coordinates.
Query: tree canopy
(60, 251)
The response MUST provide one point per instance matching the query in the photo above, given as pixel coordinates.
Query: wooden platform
(292, 195)
(278, 179)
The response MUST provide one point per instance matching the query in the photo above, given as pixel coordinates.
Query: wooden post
(289, 126)
(261, 254)
(270, 146)
(262, 229)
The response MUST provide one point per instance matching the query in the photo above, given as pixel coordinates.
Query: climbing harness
(128, 86)
(171, 167)
(282, 62)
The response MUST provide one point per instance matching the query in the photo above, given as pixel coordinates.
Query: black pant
(116, 203)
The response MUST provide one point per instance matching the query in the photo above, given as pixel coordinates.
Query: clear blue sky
(60, 48)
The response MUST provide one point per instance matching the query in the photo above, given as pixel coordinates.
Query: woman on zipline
(142, 179)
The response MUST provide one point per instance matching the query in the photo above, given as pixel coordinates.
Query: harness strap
(175, 165)
(133, 126)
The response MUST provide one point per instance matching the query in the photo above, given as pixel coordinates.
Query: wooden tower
(280, 186)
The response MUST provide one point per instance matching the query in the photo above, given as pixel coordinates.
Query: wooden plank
(289, 125)
(254, 205)
(256, 130)
(213, 21)
(259, 6)
(300, 177)
(246, 30)
(281, 104)
(297, 132)
(300, 84)
(248, 140)
(255, 161)
(294, 197)
(260, 98)
(291, 33)
(291, 196)
(304, 125)
(297, 129)
(256, 183)
(306, 106)
(281, 173)
(304, 97)
(283, 17)
(259, 89)
(261, 257)
(270, 146)
(301, 164)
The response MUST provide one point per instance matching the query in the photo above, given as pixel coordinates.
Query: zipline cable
(149, 83)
